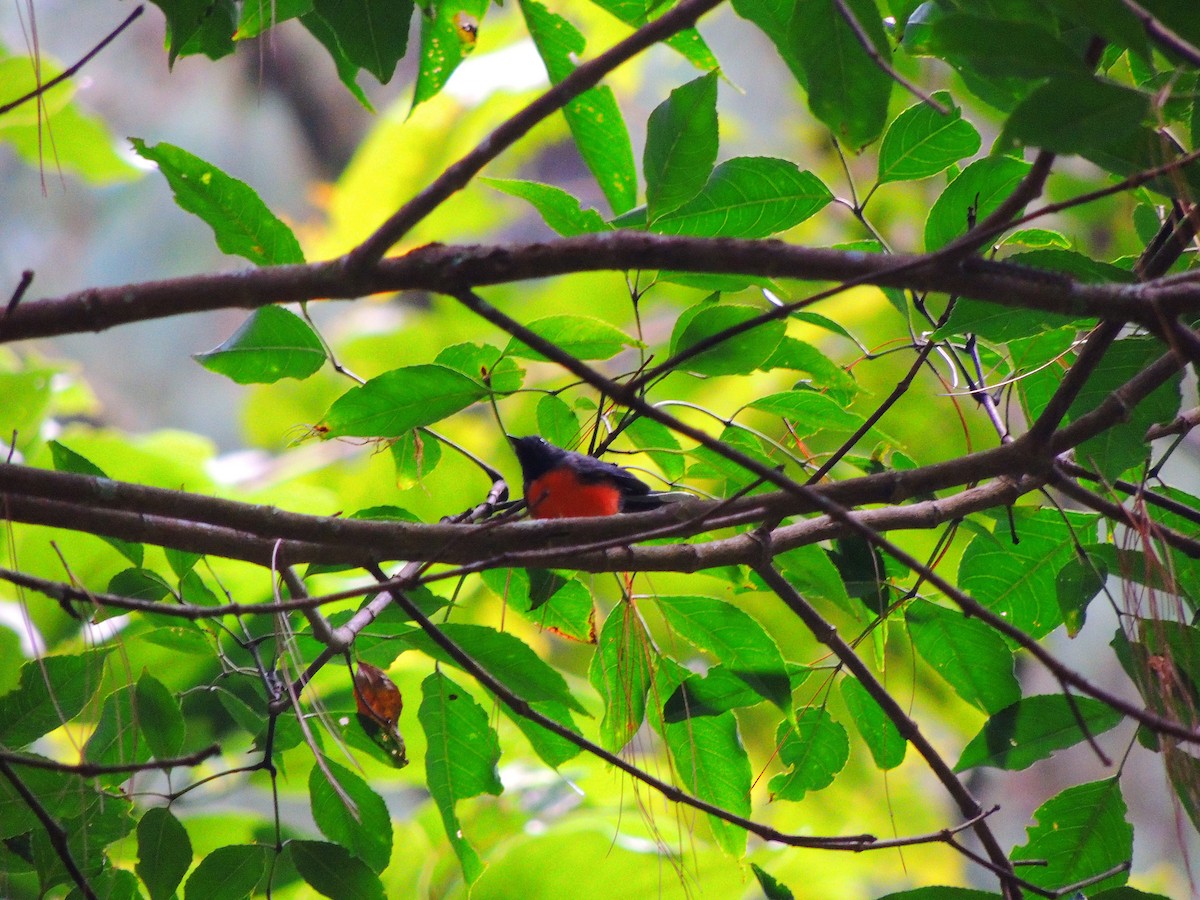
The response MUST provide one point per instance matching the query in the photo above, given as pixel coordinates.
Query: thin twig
(55, 832)
(70, 72)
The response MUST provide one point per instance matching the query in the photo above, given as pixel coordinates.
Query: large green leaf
(1002, 47)
(594, 118)
(55, 131)
(681, 145)
(67, 460)
(738, 354)
(1076, 114)
(581, 336)
(397, 401)
(333, 871)
(1123, 446)
(979, 188)
(373, 34)
(622, 670)
(687, 42)
(448, 33)
(52, 691)
(558, 209)
(1017, 580)
(1033, 728)
(921, 142)
(972, 657)
(713, 765)
(351, 814)
(164, 852)
(846, 89)
(880, 733)
(272, 344)
(241, 222)
(159, 717)
(461, 758)
(748, 197)
(228, 873)
(734, 638)
(814, 749)
(1080, 833)
(258, 17)
(505, 656)
(198, 26)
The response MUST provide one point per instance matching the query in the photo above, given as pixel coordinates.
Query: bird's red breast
(560, 494)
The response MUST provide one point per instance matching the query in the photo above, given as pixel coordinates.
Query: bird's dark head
(536, 455)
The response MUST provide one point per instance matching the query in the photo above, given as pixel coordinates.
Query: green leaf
(771, 888)
(1123, 446)
(228, 873)
(505, 656)
(880, 733)
(981, 186)
(740, 354)
(921, 142)
(271, 345)
(660, 445)
(331, 870)
(195, 26)
(557, 422)
(444, 43)
(67, 460)
(397, 401)
(79, 143)
(1080, 833)
(717, 692)
(1032, 729)
(594, 118)
(713, 765)
(1017, 581)
(681, 145)
(52, 691)
(972, 657)
(558, 209)
(938, 892)
(259, 17)
(811, 412)
(581, 336)
(241, 222)
(485, 364)
(461, 758)
(748, 197)
(117, 739)
(1078, 581)
(346, 69)
(159, 717)
(26, 402)
(351, 814)
(373, 34)
(621, 671)
(687, 43)
(734, 638)
(827, 376)
(846, 89)
(549, 599)
(1076, 114)
(414, 454)
(164, 852)
(815, 749)
(995, 46)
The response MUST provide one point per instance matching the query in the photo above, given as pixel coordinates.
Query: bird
(562, 484)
